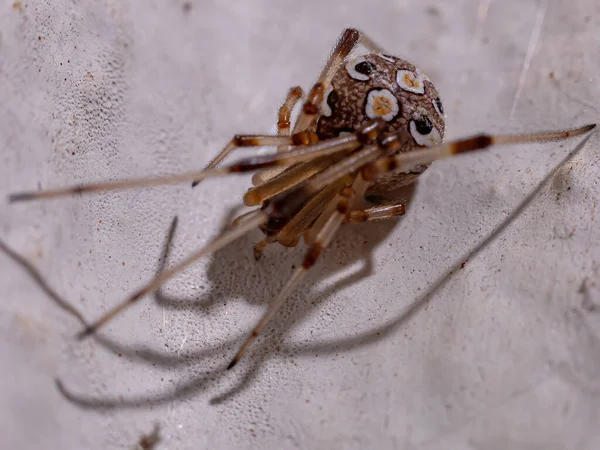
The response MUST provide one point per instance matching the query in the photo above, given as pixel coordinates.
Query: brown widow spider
(371, 124)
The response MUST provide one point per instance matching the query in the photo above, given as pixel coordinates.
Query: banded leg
(345, 199)
(248, 224)
(297, 153)
(309, 114)
(284, 118)
(376, 213)
(347, 42)
(411, 160)
(245, 141)
(299, 173)
(291, 233)
(374, 160)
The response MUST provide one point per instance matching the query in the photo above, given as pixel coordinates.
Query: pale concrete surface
(506, 353)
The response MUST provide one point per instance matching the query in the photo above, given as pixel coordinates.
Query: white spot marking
(350, 68)
(325, 108)
(428, 140)
(382, 103)
(411, 82)
(421, 74)
(437, 109)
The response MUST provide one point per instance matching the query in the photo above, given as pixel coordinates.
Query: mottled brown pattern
(348, 99)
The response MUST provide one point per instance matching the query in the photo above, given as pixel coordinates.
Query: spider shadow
(262, 279)
(253, 362)
(264, 349)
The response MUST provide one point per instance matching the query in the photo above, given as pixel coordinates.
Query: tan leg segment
(284, 118)
(376, 213)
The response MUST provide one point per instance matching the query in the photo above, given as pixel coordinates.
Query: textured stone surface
(506, 352)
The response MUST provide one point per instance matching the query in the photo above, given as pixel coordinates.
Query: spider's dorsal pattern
(374, 85)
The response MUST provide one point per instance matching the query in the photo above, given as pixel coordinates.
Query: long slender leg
(376, 213)
(300, 153)
(347, 42)
(292, 177)
(295, 175)
(411, 160)
(221, 241)
(309, 114)
(245, 141)
(335, 220)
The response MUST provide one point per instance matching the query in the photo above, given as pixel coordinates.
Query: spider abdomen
(380, 86)
(374, 86)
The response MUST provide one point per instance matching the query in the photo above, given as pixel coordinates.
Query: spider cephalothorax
(370, 124)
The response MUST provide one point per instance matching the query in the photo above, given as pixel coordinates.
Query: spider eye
(439, 108)
(359, 68)
(424, 133)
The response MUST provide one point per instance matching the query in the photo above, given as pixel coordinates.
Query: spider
(371, 123)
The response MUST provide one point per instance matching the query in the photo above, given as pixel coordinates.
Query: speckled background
(504, 354)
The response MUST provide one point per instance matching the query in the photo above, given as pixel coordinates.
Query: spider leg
(284, 119)
(376, 213)
(334, 221)
(301, 172)
(288, 179)
(283, 126)
(411, 160)
(245, 141)
(347, 42)
(248, 224)
(309, 114)
(291, 233)
(349, 39)
(286, 203)
(299, 153)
